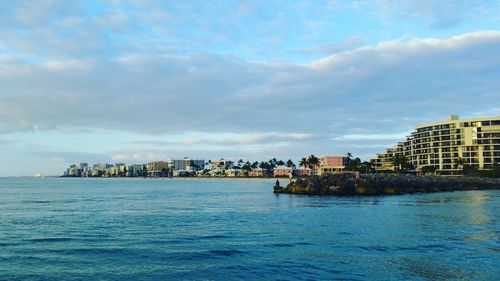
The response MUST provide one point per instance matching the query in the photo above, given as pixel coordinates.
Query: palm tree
(366, 167)
(348, 162)
(460, 163)
(303, 162)
(313, 161)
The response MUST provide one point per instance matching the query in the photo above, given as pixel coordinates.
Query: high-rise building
(157, 169)
(447, 146)
(186, 164)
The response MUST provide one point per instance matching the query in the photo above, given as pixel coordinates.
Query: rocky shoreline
(349, 184)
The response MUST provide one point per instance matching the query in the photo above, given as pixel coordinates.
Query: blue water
(213, 229)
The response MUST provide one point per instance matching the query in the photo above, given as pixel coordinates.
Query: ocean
(237, 229)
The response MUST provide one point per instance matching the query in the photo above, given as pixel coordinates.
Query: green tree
(352, 164)
(496, 170)
(290, 163)
(365, 167)
(400, 163)
(247, 167)
(303, 162)
(313, 161)
(429, 170)
(460, 163)
(469, 170)
(349, 162)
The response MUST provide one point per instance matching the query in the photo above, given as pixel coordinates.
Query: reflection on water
(435, 269)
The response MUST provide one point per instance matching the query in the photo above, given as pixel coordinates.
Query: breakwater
(347, 184)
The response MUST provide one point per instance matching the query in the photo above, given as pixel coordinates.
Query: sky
(139, 81)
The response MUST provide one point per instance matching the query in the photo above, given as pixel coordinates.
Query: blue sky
(136, 81)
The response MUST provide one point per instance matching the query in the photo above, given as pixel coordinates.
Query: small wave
(50, 239)
(422, 248)
(214, 237)
(374, 248)
(37, 201)
(289, 245)
(226, 253)
(94, 251)
(192, 238)
(6, 244)
(426, 248)
(282, 245)
(211, 254)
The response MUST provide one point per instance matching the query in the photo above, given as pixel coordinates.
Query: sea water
(237, 229)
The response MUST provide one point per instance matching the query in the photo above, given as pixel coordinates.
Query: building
(303, 172)
(233, 172)
(331, 164)
(73, 171)
(259, 172)
(182, 173)
(157, 169)
(135, 170)
(220, 164)
(186, 164)
(282, 171)
(447, 146)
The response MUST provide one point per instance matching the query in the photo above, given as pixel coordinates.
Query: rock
(346, 184)
(389, 191)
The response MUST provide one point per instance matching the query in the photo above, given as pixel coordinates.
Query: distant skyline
(137, 81)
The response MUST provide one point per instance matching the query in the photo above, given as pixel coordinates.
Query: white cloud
(372, 92)
(67, 65)
(365, 137)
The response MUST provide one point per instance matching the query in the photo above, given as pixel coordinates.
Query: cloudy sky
(135, 81)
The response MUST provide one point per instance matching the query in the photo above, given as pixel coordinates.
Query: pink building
(282, 171)
(331, 164)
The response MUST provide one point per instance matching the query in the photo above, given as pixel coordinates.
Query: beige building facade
(447, 146)
(331, 164)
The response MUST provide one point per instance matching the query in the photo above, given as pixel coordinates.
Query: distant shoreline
(148, 178)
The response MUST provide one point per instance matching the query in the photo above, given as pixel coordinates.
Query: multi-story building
(135, 170)
(259, 172)
(186, 164)
(303, 172)
(220, 164)
(233, 172)
(282, 171)
(447, 146)
(331, 164)
(157, 169)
